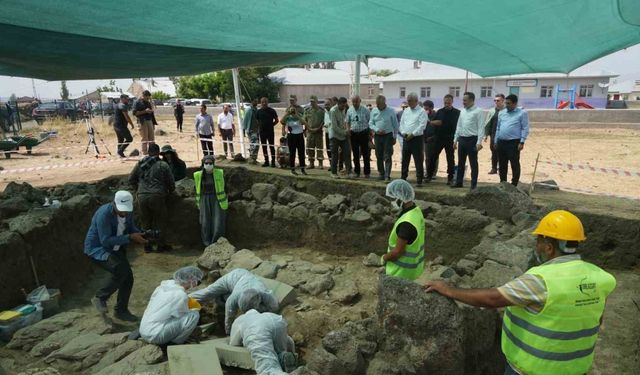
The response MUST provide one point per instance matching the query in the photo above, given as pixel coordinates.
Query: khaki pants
(147, 134)
(314, 146)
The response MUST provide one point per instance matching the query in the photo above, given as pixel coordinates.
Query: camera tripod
(92, 139)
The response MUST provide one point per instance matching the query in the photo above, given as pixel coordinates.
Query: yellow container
(8, 316)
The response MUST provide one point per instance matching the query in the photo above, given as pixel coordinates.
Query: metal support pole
(356, 84)
(466, 81)
(236, 91)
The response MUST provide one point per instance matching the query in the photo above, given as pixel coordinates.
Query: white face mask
(397, 204)
(208, 167)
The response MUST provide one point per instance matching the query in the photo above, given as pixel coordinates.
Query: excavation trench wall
(299, 214)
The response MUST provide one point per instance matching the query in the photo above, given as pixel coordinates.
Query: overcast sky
(623, 62)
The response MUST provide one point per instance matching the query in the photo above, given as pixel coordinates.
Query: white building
(625, 90)
(321, 82)
(537, 90)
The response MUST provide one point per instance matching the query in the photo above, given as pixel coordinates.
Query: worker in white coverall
(238, 290)
(265, 336)
(171, 316)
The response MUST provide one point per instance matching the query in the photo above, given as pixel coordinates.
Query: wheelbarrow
(29, 142)
(8, 145)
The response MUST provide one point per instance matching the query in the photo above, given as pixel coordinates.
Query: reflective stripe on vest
(410, 265)
(561, 338)
(551, 356)
(218, 181)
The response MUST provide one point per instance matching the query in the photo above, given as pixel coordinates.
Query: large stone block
(284, 293)
(199, 359)
(229, 355)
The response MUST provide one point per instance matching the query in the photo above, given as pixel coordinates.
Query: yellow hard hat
(561, 225)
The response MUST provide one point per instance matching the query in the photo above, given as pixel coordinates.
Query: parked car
(320, 104)
(62, 109)
(105, 108)
(200, 102)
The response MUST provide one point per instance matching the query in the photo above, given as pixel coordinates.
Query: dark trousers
(467, 149)
(227, 140)
(429, 145)
(508, 153)
(268, 137)
(179, 123)
(360, 145)
(124, 139)
(413, 147)
(340, 150)
(121, 278)
(296, 144)
(494, 154)
(438, 145)
(207, 144)
(384, 152)
(153, 213)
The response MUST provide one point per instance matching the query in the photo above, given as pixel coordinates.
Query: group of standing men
(464, 131)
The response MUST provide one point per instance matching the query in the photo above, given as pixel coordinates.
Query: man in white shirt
(227, 129)
(468, 138)
(412, 125)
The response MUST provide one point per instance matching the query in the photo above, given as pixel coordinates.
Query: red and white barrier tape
(583, 167)
(63, 166)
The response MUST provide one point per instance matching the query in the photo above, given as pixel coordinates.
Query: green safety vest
(218, 180)
(411, 264)
(561, 338)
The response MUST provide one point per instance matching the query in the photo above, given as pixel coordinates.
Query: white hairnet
(250, 299)
(401, 189)
(186, 275)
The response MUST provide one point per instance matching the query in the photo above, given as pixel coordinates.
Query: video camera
(151, 235)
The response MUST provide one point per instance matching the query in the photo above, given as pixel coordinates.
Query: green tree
(13, 98)
(254, 83)
(160, 95)
(383, 72)
(64, 91)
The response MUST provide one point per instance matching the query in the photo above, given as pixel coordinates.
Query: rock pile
(414, 333)
(222, 257)
(78, 342)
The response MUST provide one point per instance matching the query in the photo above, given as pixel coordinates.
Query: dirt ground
(309, 317)
(596, 147)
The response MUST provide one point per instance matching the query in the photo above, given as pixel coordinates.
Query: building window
(546, 91)
(455, 91)
(586, 90)
(370, 91)
(486, 91)
(425, 92)
(403, 92)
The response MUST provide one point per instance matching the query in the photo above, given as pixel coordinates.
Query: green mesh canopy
(86, 39)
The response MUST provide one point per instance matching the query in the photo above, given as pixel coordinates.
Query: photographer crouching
(111, 230)
(153, 181)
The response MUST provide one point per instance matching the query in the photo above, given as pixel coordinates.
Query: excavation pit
(314, 234)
